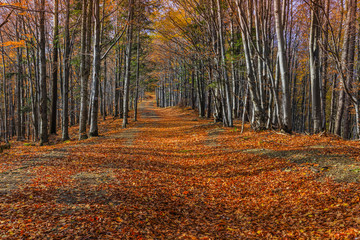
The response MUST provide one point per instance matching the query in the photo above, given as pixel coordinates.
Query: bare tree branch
(6, 19)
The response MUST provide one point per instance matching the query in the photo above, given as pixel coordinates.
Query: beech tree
(43, 87)
(66, 75)
(314, 59)
(94, 99)
(129, 39)
(54, 70)
(86, 21)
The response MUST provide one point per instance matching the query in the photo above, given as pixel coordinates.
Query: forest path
(145, 111)
(172, 175)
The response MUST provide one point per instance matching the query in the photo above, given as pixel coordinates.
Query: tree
(346, 67)
(136, 98)
(129, 38)
(314, 50)
(226, 85)
(19, 85)
(85, 65)
(279, 13)
(43, 90)
(55, 69)
(65, 91)
(246, 24)
(94, 99)
(5, 106)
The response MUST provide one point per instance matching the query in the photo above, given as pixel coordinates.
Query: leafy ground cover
(172, 175)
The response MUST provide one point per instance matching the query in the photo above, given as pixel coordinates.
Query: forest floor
(172, 175)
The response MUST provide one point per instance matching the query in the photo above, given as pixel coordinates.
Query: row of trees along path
(289, 65)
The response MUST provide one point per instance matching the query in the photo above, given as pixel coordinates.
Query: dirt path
(129, 135)
(171, 176)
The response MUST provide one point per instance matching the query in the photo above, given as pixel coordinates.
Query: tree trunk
(94, 132)
(5, 92)
(104, 89)
(118, 78)
(43, 90)
(259, 115)
(55, 70)
(285, 82)
(324, 65)
(314, 50)
(65, 93)
(136, 99)
(19, 96)
(228, 107)
(128, 65)
(347, 65)
(85, 66)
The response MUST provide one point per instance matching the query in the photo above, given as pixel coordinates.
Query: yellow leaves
(17, 4)
(13, 5)
(14, 44)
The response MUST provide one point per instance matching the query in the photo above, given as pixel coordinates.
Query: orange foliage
(14, 44)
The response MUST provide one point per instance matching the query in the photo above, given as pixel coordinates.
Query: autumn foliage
(196, 119)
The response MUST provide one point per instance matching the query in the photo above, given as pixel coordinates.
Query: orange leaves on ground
(174, 176)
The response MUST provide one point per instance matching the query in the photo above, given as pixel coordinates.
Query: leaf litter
(176, 178)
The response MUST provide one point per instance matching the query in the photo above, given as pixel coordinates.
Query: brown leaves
(167, 183)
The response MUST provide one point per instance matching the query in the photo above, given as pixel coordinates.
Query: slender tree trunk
(136, 99)
(104, 89)
(347, 64)
(244, 109)
(43, 89)
(314, 50)
(128, 65)
(72, 100)
(200, 91)
(19, 96)
(285, 81)
(259, 115)
(89, 56)
(233, 72)
(65, 93)
(34, 99)
(55, 70)
(94, 132)
(4, 92)
(208, 114)
(325, 63)
(118, 81)
(84, 66)
(228, 108)
(332, 106)
(339, 113)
